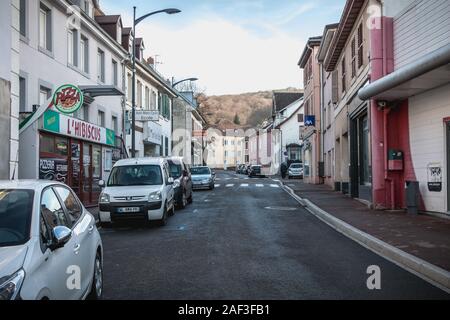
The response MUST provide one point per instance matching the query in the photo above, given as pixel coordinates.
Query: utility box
(412, 196)
(395, 160)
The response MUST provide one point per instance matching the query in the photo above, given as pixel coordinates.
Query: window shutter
(360, 46)
(335, 90)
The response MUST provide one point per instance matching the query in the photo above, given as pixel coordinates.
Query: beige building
(311, 135)
(225, 149)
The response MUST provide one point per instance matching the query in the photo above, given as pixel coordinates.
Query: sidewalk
(425, 237)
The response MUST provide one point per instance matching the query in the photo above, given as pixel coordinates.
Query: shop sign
(144, 115)
(68, 99)
(434, 177)
(154, 133)
(75, 128)
(53, 169)
(310, 121)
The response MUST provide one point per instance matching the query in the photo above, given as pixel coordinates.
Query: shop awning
(101, 91)
(428, 72)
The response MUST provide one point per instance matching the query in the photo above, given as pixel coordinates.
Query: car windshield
(138, 175)
(200, 171)
(296, 166)
(175, 169)
(15, 216)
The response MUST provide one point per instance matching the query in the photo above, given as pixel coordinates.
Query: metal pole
(133, 107)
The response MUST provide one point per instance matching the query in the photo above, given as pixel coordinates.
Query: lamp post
(133, 108)
(178, 82)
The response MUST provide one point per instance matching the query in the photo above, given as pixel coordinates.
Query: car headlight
(176, 183)
(104, 198)
(9, 289)
(155, 196)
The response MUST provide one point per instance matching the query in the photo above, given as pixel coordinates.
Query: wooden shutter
(335, 88)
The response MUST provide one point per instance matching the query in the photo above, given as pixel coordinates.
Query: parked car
(255, 171)
(182, 185)
(295, 171)
(46, 235)
(138, 189)
(246, 169)
(241, 169)
(203, 178)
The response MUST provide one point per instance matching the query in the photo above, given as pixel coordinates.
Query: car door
(82, 225)
(168, 189)
(60, 261)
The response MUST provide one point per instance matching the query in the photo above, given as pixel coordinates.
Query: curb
(425, 270)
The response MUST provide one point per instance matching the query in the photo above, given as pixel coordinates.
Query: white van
(138, 189)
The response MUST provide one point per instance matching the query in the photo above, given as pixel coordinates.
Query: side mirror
(170, 181)
(61, 235)
(101, 183)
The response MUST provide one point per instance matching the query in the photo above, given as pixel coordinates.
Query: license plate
(129, 210)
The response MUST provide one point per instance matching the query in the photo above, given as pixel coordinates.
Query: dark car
(182, 185)
(255, 171)
(241, 169)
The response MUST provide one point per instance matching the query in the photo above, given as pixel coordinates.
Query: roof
(351, 12)
(312, 42)
(126, 31)
(26, 184)
(111, 19)
(282, 99)
(292, 115)
(327, 37)
(139, 161)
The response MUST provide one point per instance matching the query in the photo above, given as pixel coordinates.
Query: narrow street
(247, 239)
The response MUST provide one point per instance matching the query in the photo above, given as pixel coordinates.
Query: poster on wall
(434, 177)
(53, 169)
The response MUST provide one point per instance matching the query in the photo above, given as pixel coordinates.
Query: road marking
(259, 185)
(245, 185)
(274, 186)
(217, 186)
(230, 185)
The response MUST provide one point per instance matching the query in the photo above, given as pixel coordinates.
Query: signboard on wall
(145, 115)
(434, 177)
(310, 121)
(68, 99)
(53, 121)
(154, 133)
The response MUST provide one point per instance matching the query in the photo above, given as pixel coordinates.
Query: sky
(232, 46)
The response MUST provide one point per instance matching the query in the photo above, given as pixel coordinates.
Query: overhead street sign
(145, 115)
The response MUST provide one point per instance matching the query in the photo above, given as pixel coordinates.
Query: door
(448, 167)
(83, 227)
(87, 173)
(60, 261)
(75, 167)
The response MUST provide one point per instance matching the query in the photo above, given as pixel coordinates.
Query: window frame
(84, 54)
(115, 72)
(47, 46)
(82, 213)
(101, 65)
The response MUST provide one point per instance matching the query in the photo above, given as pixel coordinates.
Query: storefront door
(448, 167)
(92, 172)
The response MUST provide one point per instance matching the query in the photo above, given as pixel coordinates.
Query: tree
(236, 120)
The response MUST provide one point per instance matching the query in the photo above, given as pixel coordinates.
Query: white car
(138, 189)
(50, 248)
(295, 171)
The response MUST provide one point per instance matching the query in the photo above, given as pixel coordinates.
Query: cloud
(288, 17)
(226, 57)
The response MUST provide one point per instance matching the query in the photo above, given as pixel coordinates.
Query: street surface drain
(280, 208)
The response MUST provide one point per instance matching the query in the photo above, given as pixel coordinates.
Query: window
(71, 203)
(130, 87)
(23, 17)
(360, 46)
(45, 28)
(343, 75)
(115, 73)
(114, 124)
(166, 146)
(101, 119)
(300, 117)
(147, 98)
(139, 94)
(84, 54)
(52, 211)
(165, 106)
(139, 175)
(353, 49)
(100, 65)
(86, 113)
(153, 101)
(72, 47)
(44, 95)
(161, 147)
(22, 95)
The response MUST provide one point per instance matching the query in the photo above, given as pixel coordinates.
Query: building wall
(420, 28)
(428, 142)
(328, 127)
(9, 88)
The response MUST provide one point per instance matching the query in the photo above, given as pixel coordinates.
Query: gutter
(431, 61)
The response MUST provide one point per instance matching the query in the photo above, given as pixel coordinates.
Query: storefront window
(96, 167)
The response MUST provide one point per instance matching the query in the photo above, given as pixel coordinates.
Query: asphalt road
(247, 239)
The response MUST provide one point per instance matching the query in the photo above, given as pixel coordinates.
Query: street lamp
(178, 82)
(133, 108)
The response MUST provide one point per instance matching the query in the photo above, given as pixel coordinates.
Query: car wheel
(191, 198)
(97, 280)
(163, 220)
(183, 201)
